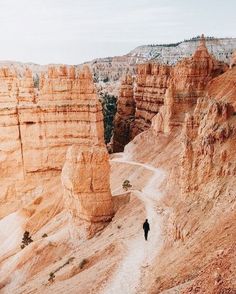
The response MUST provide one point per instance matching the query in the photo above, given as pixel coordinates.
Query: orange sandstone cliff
(62, 196)
(125, 115)
(171, 91)
(193, 138)
(38, 126)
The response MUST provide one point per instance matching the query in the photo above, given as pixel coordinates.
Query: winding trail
(140, 252)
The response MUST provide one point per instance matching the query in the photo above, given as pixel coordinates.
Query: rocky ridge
(193, 143)
(39, 124)
(171, 91)
(124, 118)
(199, 203)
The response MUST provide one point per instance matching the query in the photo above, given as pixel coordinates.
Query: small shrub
(36, 81)
(26, 240)
(119, 226)
(126, 185)
(82, 263)
(44, 236)
(51, 277)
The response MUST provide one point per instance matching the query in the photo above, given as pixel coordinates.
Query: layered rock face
(37, 129)
(152, 82)
(38, 125)
(169, 91)
(198, 154)
(112, 68)
(86, 178)
(223, 87)
(125, 115)
(208, 147)
(188, 83)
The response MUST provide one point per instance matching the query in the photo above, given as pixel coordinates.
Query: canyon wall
(37, 129)
(152, 82)
(112, 68)
(38, 125)
(125, 115)
(86, 179)
(188, 82)
(171, 91)
(192, 138)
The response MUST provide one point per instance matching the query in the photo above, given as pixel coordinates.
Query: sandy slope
(140, 253)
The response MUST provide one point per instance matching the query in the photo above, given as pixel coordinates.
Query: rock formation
(190, 146)
(193, 137)
(37, 130)
(168, 93)
(111, 69)
(188, 83)
(86, 178)
(152, 82)
(125, 115)
(223, 87)
(209, 137)
(37, 127)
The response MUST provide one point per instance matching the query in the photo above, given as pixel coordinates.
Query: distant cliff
(108, 71)
(111, 68)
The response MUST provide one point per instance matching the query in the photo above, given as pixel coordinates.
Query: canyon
(175, 131)
(153, 82)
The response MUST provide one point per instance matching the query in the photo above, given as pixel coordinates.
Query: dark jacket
(146, 226)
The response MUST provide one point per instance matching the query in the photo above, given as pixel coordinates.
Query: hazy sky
(74, 31)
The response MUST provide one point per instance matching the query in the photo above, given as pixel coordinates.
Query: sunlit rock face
(36, 130)
(86, 179)
(152, 81)
(223, 87)
(38, 125)
(125, 114)
(188, 82)
(163, 94)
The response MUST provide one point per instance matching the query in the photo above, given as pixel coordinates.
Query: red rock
(125, 115)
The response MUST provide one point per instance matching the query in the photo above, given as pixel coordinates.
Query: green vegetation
(95, 77)
(109, 110)
(51, 277)
(126, 185)
(186, 40)
(36, 81)
(44, 236)
(52, 274)
(26, 240)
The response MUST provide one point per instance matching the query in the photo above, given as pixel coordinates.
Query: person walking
(146, 228)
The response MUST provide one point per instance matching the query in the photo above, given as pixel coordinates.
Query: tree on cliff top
(26, 240)
(126, 185)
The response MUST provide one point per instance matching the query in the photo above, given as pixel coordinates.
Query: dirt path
(140, 252)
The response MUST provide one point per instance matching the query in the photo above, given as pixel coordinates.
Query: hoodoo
(71, 215)
(38, 125)
(86, 176)
(125, 114)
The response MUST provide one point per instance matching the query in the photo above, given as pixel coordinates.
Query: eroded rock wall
(152, 82)
(125, 115)
(86, 179)
(196, 147)
(188, 82)
(37, 129)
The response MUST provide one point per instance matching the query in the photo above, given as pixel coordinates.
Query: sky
(75, 31)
